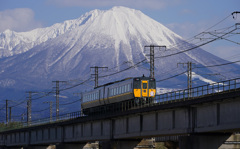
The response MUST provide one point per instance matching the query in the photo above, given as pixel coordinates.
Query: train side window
(84, 97)
(119, 90)
(128, 87)
(116, 90)
(111, 92)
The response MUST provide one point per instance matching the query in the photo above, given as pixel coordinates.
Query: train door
(144, 88)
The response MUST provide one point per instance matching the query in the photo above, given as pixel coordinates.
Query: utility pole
(96, 74)
(10, 114)
(152, 58)
(57, 96)
(29, 107)
(189, 76)
(50, 109)
(7, 112)
(22, 119)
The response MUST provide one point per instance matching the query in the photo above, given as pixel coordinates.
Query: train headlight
(152, 93)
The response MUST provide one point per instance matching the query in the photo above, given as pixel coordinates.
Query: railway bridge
(201, 118)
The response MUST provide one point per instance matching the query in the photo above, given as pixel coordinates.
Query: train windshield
(144, 85)
(137, 84)
(152, 84)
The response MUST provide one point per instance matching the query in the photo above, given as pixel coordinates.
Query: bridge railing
(176, 96)
(64, 117)
(196, 92)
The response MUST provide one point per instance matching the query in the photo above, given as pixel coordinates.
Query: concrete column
(70, 146)
(171, 145)
(119, 144)
(203, 141)
(38, 147)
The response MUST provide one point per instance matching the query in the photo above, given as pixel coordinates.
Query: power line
(219, 64)
(172, 76)
(198, 45)
(71, 102)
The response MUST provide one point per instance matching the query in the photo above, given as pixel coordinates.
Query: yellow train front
(111, 97)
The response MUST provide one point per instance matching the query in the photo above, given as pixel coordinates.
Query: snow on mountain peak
(112, 38)
(119, 22)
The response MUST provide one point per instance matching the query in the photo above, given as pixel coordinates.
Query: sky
(187, 18)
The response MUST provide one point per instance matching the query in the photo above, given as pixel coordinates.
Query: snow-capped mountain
(113, 38)
(12, 43)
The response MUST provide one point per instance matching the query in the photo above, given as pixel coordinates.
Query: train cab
(144, 88)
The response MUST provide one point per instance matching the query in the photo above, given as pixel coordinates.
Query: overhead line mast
(57, 96)
(189, 76)
(96, 74)
(152, 58)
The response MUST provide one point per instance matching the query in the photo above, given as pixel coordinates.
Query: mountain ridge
(112, 38)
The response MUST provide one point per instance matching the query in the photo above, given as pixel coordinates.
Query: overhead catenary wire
(70, 102)
(219, 64)
(161, 56)
(172, 76)
(136, 65)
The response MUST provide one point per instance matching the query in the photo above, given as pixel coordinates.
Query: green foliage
(10, 125)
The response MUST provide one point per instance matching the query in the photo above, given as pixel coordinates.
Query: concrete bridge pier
(171, 145)
(203, 141)
(37, 147)
(119, 144)
(70, 145)
(29, 147)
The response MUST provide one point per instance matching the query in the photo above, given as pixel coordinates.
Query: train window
(128, 87)
(111, 92)
(122, 88)
(144, 85)
(117, 91)
(137, 84)
(97, 97)
(152, 84)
